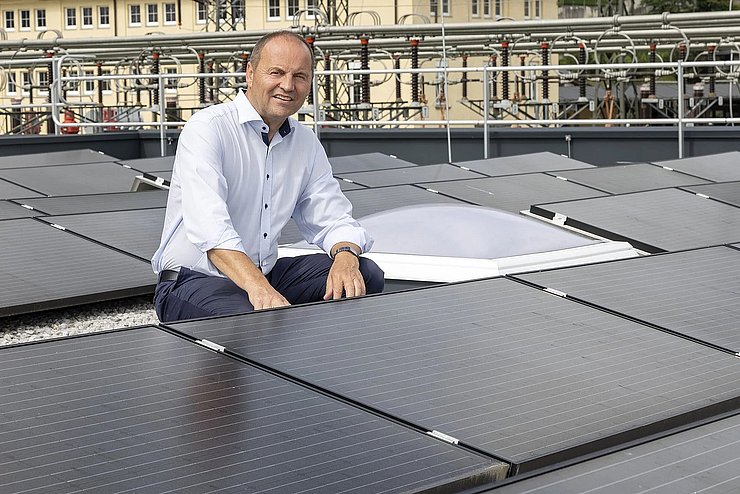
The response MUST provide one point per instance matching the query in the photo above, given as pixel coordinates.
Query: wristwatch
(346, 248)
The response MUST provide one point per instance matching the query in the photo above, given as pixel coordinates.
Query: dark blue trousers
(299, 279)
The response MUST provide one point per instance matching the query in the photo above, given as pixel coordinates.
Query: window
(202, 16)
(12, 87)
(486, 8)
(292, 8)
(70, 15)
(435, 4)
(311, 7)
(537, 9)
(170, 13)
(26, 83)
(43, 82)
(134, 15)
(474, 8)
(41, 19)
(87, 17)
(237, 10)
(526, 9)
(89, 83)
(152, 14)
(105, 84)
(25, 16)
(498, 8)
(273, 10)
(104, 16)
(170, 83)
(9, 20)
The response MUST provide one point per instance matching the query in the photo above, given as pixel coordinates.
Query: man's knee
(373, 275)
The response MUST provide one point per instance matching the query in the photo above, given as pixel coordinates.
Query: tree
(660, 6)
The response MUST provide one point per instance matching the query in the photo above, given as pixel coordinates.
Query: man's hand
(344, 277)
(242, 271)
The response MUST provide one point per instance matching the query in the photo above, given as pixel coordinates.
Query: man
(242, 170)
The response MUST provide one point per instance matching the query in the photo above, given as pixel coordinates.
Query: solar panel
(369, 201)
(513, 193)
(92, 203)
(524, 163)
(10, 190)
(345, 185)
(366, 162)
(136, 232)
(62, 180)
(45, 268)
(149, 165)
(728, 192)
(722, 167)
(10, 210)
(629, 178)
(75, 156)
(410, 175)
(704, 459)
(695, 293)
(144, 411)
(521, 374)
(654, 221)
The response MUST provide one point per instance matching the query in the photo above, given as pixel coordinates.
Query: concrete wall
(426, 146)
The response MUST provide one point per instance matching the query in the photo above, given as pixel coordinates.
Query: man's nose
(287, 83)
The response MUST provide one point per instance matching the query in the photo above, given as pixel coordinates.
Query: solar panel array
(441, 389)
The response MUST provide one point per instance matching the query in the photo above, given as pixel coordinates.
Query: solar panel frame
(523, 163)
(54, 158)
(703, 459)
(727, 192)
(36, 277)
(136, 232)
(409, 175)
(498, 365)
(64, 180)
(98, 203)
(150, 165)
(10, 211)
(694, 293)
(366, 162)
(143, 410)
(721, 167)
(653, 221)
(9, 190)
(513, 193)
(622, 179)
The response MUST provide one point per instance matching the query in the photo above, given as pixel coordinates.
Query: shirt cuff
(347, 233)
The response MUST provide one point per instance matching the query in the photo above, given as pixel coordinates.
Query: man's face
(279, 84)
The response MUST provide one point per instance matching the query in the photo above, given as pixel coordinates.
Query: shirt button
(268, 176)
(264, 235)
(265, 206)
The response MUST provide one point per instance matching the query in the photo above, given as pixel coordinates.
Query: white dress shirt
(231, 190)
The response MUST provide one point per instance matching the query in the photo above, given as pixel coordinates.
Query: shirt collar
(247, 114)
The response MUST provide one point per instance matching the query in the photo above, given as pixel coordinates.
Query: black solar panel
(93, 203)
(524, 163)
(10, 190)
(704, 459)
(629, 178)
(144, 411)
(410, 175)
(71, 157)
(366, 162)
(728, 192)
(369, 201)
(696, 293)
(513, 193)
(136, 232)
(62, 180)
(654, 221)
(524, 375)
(10, 210)
(722, 167)
(42, 267)
(149, 165)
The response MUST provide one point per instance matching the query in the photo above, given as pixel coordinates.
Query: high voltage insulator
(365, 65)
(582, 59)
(505, 73)
(415, 65)
(545, 76)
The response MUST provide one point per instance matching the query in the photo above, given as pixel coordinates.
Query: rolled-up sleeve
(204, 189)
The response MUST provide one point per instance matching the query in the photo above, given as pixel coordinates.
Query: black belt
(168, 275)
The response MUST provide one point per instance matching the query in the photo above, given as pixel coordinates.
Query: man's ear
(250, 74)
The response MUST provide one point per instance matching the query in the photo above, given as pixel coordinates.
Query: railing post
(486, 102)
(679, 74)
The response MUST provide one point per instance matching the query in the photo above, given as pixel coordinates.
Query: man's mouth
(282, 97)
